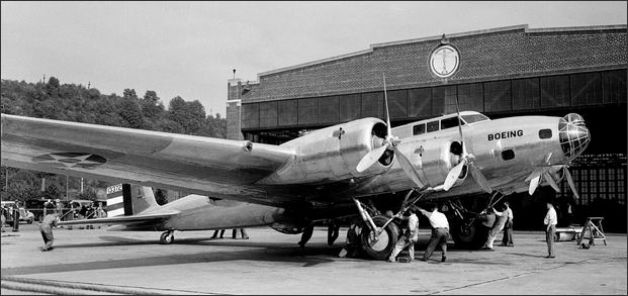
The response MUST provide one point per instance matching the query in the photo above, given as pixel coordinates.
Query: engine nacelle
(333, 153)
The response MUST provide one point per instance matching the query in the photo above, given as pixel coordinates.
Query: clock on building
(444, 61)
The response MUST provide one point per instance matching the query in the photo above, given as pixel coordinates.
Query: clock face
(444, 61)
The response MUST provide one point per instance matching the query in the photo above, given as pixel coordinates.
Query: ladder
(593, 227)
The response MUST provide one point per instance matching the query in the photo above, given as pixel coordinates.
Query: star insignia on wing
(72, 159)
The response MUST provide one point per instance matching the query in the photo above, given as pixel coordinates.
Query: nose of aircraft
(574, 134)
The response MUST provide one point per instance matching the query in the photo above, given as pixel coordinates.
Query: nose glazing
(573, 134)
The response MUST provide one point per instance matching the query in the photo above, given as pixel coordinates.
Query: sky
(190, 48)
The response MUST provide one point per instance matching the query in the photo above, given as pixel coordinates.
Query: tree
(151, 106)
(52, 192)
(129, 93)
(131, 113)
(52, 87)
(161, 197)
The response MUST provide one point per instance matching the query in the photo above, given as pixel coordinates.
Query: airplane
(325, 174)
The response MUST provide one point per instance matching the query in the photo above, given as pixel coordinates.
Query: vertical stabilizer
(127, 199)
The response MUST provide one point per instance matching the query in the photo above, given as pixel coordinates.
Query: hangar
(500, 72)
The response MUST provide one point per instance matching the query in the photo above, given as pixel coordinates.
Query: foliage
(72, 102)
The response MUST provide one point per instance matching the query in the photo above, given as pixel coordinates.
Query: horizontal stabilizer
(123, 219)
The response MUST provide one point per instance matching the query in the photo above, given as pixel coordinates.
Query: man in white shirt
(440, 232)
(409, 237)
(507, 239)
(550, 229)
(497, 227)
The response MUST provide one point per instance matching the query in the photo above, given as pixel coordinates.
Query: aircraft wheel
(167, 238)
(380, 249)
(470, 236)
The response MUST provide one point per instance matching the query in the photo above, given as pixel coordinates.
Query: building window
(545, 133)
(418, 129)
(508, 154)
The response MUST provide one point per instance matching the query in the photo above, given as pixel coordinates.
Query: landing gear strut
(380, 234)
(167, 237)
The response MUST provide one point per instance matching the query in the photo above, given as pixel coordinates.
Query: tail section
(127, 199)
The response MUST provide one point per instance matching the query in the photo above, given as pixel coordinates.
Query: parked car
(25, 215)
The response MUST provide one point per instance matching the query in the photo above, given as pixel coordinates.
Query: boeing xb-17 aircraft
(325, 174)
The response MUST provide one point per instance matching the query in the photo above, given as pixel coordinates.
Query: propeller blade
(459, 121)
(535, 177)
(453, 175)
(479, 178)
(572, 185)
(407, 167)
(370, 158)
(386, 103)
(551, 181)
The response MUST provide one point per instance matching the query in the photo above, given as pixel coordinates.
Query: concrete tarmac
(106, 262)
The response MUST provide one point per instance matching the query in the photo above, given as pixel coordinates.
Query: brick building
(501, 72)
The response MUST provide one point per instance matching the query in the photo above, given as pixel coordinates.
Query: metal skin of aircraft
(325, 174)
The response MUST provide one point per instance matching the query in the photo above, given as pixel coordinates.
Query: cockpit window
(469, 118)
(449, 122)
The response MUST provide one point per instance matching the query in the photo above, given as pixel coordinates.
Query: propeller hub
(574, 135)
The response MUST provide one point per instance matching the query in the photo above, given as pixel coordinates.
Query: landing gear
(469, 233)
(380, 247)
(467, 229)
(167, 237)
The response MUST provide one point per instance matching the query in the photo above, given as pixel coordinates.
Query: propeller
(468, 161)
(390, 144)
(544, 173)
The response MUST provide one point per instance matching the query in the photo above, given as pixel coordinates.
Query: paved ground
(271, 263)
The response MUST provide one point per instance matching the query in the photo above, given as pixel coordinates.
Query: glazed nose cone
(574, 134)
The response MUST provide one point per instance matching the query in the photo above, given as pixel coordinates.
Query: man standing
(550, 229)
(440, 232)
(507, 239)
(497, 227)
(45, 228)
(16, 217)
(409, 238)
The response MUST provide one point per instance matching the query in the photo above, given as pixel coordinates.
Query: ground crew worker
(409, 238)
(440, 232)
(307, 234)
(234, 233)
(497, 227)
(507, 239)
(45, 228)
(550, 229)
(352, 247)
(4, 220)
(332, 232)
(16, 217)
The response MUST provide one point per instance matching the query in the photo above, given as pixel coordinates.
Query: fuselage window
(418, 129)
(545, 133)
(433, 126)
(449, 122)
(508, 154)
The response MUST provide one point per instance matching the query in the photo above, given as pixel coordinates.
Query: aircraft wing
(122, 219)
(173, 161)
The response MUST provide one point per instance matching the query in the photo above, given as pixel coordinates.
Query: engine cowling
(332, 153)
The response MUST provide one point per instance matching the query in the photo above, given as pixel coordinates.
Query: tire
(472, 237)
(387, 240)
(166, 238)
